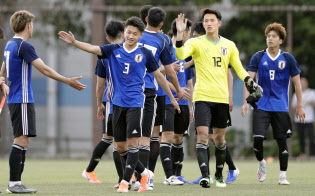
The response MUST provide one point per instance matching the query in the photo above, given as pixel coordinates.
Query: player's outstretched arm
(171, 74)
(70, 39)
(163, 83)
(245, 95)
(47, 71)
(300, 113)
(100, 88)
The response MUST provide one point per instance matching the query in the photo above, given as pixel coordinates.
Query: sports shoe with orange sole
(123, 188)
(91, 177)
(144, 181)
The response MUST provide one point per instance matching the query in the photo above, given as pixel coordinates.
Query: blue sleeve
(165, 56)
(254, 62)
(27, 52)
(151, 63)
(107, 50)
(100, 68)
(294, 66)
(189, 73)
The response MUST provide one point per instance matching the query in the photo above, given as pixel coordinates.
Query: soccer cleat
(205, 182)
(261, 174)
(232, 175)
(219, 182)
(173, 180)
(144, 181)
(19, 188)
(123, 188)
(137, 185)
(181, 178)
(283, 180)
(91, 177)
(151, 183)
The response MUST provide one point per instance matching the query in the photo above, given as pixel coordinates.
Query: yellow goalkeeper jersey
(211, 62)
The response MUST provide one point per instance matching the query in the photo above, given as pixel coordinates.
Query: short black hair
(210, 11)
(198, 27)
(189, 24)
(135, 22)
(156, 15)
(144, 11)
(114, 29)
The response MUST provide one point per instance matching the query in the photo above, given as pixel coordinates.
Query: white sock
(262, 162)
(124, 181)
(283, 173)
(13, 183)
(144, 173)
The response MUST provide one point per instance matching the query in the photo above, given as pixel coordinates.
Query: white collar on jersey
(130, 51)
(18, 37)
(271, 56)
(149, 31)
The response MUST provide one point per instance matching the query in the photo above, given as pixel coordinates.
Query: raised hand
(181, 23)
(74, 83)
(66, 37)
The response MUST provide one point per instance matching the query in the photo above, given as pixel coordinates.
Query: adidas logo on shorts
(167, 159)
(134, 132)
(289, 131)
(128, 166)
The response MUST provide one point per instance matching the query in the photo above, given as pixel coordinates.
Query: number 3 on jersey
(272, 74)
(126, 71)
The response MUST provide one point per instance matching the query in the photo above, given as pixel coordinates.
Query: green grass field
(63, 177)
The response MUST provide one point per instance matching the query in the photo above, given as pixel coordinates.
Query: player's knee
(167, 136)
(219, 139)
(202, 138)
(282, 144)
(22, 141)
(211, 138)
(178, 139)
(258, 143)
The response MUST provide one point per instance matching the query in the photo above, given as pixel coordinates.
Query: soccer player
(175, 124)
(308, 96)
(127, 64)
(114, 31)
(154, 107)
(198, 30)
(212, 54)
(19, 57)
(274, 67)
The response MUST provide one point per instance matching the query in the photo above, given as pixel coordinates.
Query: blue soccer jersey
(18, 55)
(100, 72)
(157, 44)
(183, 76)
(273, 75)
(127, 70)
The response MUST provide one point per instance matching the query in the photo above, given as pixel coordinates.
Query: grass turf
(63, 177)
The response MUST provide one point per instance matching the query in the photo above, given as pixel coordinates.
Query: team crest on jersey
(138, 58)
(281, 64)
(223, 51)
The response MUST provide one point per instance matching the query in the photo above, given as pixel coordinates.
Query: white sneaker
(211, 180)
(236, 172)
(261, 174)
(137, 185)
(172, 181)
(283, 180)
(150, 183)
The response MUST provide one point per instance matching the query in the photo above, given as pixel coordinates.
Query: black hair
(210, 11)
(156, 15)
(144, 11)
(189, 24)
(198, 27)
(135, 22)
(114, 29)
